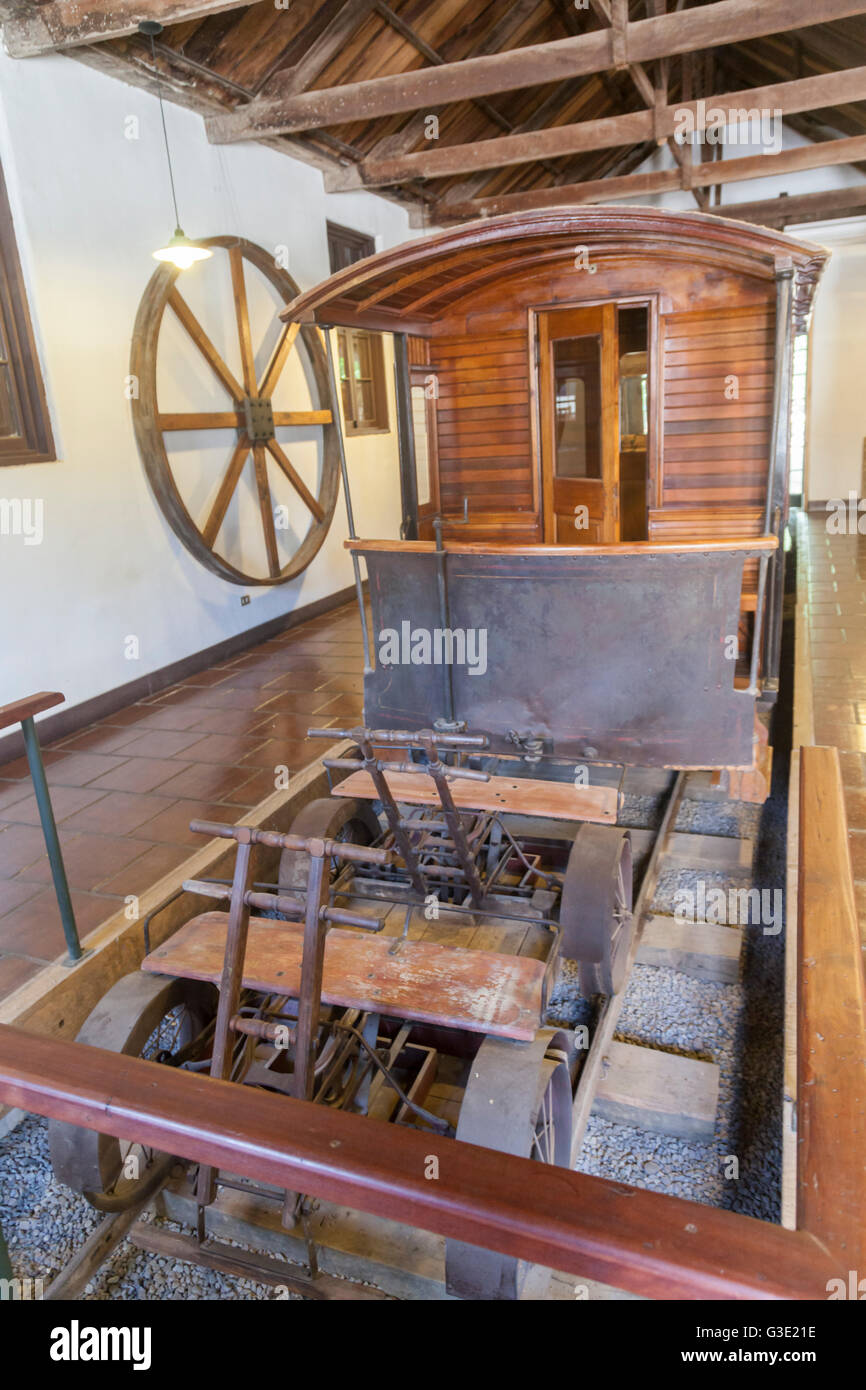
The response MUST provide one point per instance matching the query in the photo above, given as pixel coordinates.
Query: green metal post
(52, 843)
(5, 1263)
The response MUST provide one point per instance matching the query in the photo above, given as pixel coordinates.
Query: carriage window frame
(352, 346)
(20, 370)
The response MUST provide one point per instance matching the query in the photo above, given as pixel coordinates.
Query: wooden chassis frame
(644, 1242)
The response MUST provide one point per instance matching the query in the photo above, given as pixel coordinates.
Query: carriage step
(659, 1091)
(704, 950)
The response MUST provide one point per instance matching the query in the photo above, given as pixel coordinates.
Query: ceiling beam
(803, 94)
(805, 207)
(406, 138)
(30, 30)
(724, 21)
(655, 94)
(759, 166)
(554, 104)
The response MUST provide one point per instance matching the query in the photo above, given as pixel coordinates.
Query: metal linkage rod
(436, 769)
(392, 812)
(404, 737)
(468, 774)
(334, 849)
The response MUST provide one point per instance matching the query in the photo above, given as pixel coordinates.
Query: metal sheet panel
(614, 657)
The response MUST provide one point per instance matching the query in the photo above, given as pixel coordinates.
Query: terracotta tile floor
(836, 578)
(125, 789)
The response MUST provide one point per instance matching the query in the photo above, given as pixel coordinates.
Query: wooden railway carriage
(591, 375)
(581, 361)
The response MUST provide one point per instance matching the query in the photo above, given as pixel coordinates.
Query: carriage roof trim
(407, 288)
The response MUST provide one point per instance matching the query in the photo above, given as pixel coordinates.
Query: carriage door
(579, 424)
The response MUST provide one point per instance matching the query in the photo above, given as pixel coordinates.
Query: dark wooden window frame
(345, 246)
(35, 443)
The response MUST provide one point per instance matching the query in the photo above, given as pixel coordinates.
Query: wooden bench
(523, 795)
(481, 991)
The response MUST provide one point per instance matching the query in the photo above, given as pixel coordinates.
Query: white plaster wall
(836, 418)
(90, 205)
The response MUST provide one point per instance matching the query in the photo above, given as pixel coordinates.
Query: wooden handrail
(641, 1241)
(28, 707)
(751, 546)
(831, 1023)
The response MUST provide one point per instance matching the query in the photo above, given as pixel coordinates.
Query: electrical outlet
(245, 598)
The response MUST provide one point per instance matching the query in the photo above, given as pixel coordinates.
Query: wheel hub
(259, 419)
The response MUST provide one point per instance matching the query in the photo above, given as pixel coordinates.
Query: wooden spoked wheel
(250, 413)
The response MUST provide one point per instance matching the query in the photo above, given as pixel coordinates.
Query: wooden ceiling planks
(221, 60)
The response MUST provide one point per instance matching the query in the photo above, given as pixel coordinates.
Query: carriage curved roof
(408, 287)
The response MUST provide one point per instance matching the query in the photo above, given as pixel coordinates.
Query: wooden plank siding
(716, 450)
(484, 429)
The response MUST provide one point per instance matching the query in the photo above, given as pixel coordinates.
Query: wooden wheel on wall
(252, 416)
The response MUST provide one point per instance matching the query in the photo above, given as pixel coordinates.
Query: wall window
(798, 417)
(346, 246)
(362, 381)
(25, 429)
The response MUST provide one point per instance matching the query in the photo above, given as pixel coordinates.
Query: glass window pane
(577, 383)
(798, 414)
(366, 398)
(9, 423)
(422, 453)
(633, 395)
(362, 368)
(8, 415)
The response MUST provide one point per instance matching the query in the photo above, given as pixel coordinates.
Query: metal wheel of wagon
(326, 818)
(147, 1016)
(595, 913)
(517, 1101)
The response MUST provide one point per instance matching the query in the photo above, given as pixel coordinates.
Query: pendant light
(179, 250)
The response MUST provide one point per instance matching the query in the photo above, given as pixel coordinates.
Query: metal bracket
(259, 418)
